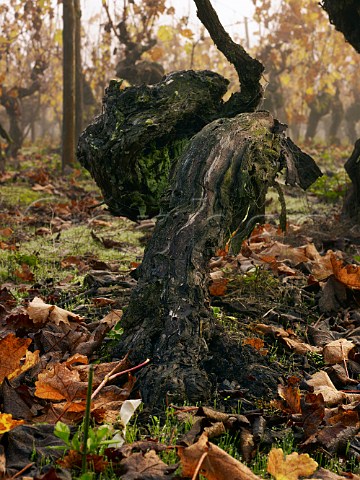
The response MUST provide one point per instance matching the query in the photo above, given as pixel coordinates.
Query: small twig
(110, 376)
(87, 419)
(111, 23)
(197, 469)
(22, 470)
(344, 360)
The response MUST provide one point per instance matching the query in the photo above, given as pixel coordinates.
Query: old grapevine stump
(219, 184)
(215, 186)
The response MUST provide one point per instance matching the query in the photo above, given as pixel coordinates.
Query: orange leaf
(31, 359)
(60, 383)
(7, 423)
(291, 394)
(348, 275)
(6, 232)
(218, 287)
(256, 343)
(12, 350)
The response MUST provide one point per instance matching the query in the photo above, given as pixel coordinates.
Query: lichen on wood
(218, 184)
(130, 148)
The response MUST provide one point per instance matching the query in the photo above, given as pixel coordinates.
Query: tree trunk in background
(79, 90)
(68, 130)
(346, 18)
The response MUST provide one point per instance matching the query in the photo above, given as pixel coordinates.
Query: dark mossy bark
(352, 199)
(219, 184)
(130, 148)
(345, 16)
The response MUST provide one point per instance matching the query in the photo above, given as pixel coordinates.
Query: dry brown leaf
(321, 266)
(344, 415)
(102, 302)
(12, 350)
(25, 274)
(60, 383)
(337, 351)
(215, 463)
(291, 394)
(6, 232)
(289, 338)
(282, 252)
(313, 412)
(291, 467)
(321, 383)
(41, 312)
(113, 317)
(77, 358)
(144, 465)
(323, 474)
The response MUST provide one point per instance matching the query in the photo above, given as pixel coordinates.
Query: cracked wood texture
(219, 184)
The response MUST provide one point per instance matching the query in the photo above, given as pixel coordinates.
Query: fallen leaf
(6, 232)
(291, 394)
(145, 465)
(218, 287)
(43, 231)
(256, 343)
(337, 351)
(60, 383)
(282, 252)
(12, 350)
(25, 274)
(73, 459)
(348, 275)
(41, 312)
(31, 359)
(216, 464)
(102, 302)
(291, 467)
(321, 383)
(313, 412)
(289, 338)
(7, 423)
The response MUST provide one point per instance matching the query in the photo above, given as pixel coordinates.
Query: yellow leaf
(291, 467)
(7, 423)
(285, 79)
(165, 33)
(31, 359)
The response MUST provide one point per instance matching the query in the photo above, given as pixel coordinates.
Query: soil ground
(58, 242)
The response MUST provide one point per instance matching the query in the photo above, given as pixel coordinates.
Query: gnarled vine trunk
(219, 184)
(215, 186)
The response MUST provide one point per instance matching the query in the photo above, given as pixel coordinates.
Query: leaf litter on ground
(47, 348)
